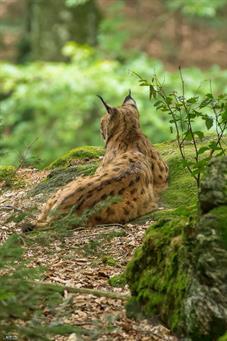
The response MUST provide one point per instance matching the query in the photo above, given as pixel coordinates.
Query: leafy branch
(185, 113)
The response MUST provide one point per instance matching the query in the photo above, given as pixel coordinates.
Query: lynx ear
(107, 106)
(129, 100)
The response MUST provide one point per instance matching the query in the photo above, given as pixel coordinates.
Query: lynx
(131, 169)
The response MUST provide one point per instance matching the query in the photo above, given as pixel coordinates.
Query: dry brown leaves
(86, 258)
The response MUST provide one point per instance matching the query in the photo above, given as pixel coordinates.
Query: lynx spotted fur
(131, 169)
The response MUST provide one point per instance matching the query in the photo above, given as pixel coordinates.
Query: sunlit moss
(118, 281)
(9, 178)
(79, 153)
(7, 171)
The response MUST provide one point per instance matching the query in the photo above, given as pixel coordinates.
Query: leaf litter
(85, 258)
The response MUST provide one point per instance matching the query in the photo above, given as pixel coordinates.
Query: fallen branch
(99, 293)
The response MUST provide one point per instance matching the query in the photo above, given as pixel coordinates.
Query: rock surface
(180, 271)
(214, 188)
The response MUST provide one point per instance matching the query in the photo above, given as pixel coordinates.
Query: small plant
(118, 281)
(7, 175)
(184, 115)
(109, 260)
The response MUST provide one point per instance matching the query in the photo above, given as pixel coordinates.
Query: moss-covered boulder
(205, 301)
(180, 272)
(77, 154)
(80, 161)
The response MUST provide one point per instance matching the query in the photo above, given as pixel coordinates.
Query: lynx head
(121, 119)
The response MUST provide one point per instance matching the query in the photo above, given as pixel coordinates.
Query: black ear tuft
(107, 106)
(129, 100)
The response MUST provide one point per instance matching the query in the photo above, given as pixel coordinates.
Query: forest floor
(84, 258)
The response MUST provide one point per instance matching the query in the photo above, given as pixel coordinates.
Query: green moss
(118, 281)
(182, 189)
(79, 153)
(109, 260)
(9, 177)
(158, 274)
(7, 174)
(223, 338)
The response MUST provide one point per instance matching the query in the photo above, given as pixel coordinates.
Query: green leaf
(188, 136)
(200, 134)
(224, 116)
(205, 102)
(209, 122)
(152, 91)
(203, 150)
(192, 100)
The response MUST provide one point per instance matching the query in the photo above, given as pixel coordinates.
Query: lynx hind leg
(135, 202)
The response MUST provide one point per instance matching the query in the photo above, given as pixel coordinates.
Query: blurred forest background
(56, 55)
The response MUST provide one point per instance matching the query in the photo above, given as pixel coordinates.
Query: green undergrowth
(118, 281)
(79, 153)
(109, 260)
(223, 338)
(9, 177)
(157, 275)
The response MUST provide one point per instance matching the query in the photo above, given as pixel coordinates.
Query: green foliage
(223, 338)
(184, 114)
(49, 108)
(71, 3)
(113, 25)
(118, 281)
(7, 174)
(109, 260)
(202, 8)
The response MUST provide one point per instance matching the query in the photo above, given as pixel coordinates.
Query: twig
(95, 292)
(10, 207)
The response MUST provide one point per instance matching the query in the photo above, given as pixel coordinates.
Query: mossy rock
(79, 153)
(61, 176)
(158, 275)
(205, 303)
(182, 190)
(180, 271)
